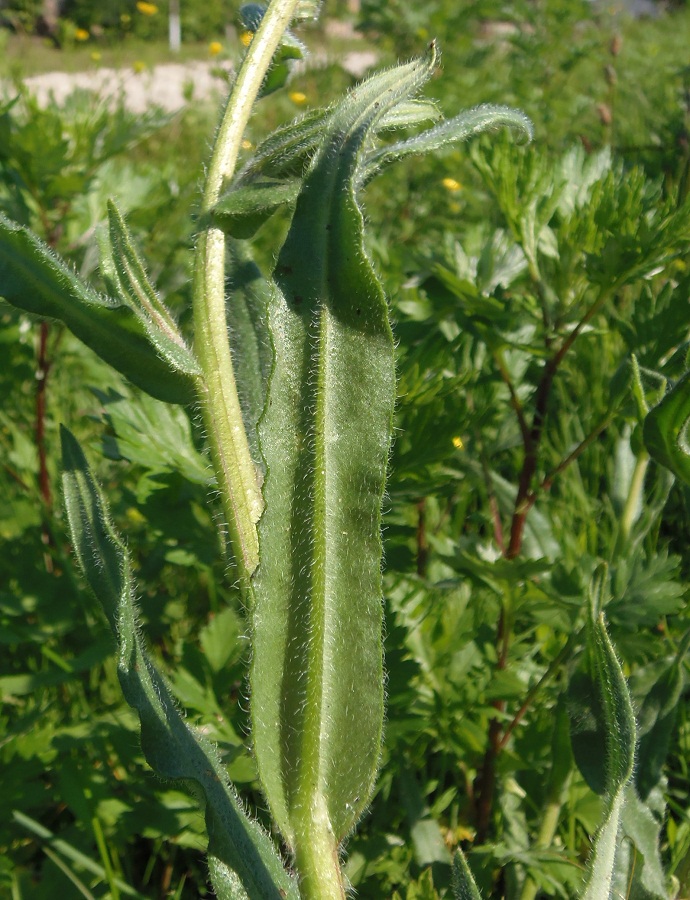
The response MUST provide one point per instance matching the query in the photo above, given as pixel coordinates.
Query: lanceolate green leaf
(317, 698)
(243, 855)
(35, 279)
(286, 152)
(620, 746)
(242, 211)
(138, 292)
(460, 128)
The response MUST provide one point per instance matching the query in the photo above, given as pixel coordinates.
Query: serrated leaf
(35, 279)
(171, 747)
(154, 435)
(221, 638)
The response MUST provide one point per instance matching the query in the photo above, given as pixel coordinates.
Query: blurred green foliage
(495, 258)
(120, 18)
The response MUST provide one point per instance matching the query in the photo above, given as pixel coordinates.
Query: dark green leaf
(665, 430)
(243, 210)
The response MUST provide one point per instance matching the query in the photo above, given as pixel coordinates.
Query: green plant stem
(633, 502)
(317, 861)
(105, 858)
(222, 416)
(549, 824)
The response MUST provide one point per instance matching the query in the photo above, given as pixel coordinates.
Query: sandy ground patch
(169, 86)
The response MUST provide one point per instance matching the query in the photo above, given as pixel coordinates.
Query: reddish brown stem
(525, 498)
(524, 501)
(42, 370)
(487, 783)
(487, 778)
(44, 487)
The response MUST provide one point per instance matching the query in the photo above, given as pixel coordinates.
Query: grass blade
(59, 846)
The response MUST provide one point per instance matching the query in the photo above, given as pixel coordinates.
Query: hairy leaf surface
(317, 696)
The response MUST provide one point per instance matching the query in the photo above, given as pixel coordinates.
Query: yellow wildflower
(81, 34)
(134, 516)
(246, 37)
(147, 9)
(450, 184)
(96, 56)
(247, 145)
(214, 48)
(139, 67)
(297, 97)
(457, 443)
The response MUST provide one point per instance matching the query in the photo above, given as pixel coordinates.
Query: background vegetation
(540, 297)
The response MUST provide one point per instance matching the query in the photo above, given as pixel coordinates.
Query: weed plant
(538, 305)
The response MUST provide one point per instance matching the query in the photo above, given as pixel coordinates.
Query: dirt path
(169, 86)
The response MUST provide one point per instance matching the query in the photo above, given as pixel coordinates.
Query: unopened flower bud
(605, 114)
(610, 75)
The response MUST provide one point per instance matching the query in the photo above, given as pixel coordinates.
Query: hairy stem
(235, 469)
(634, 499)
